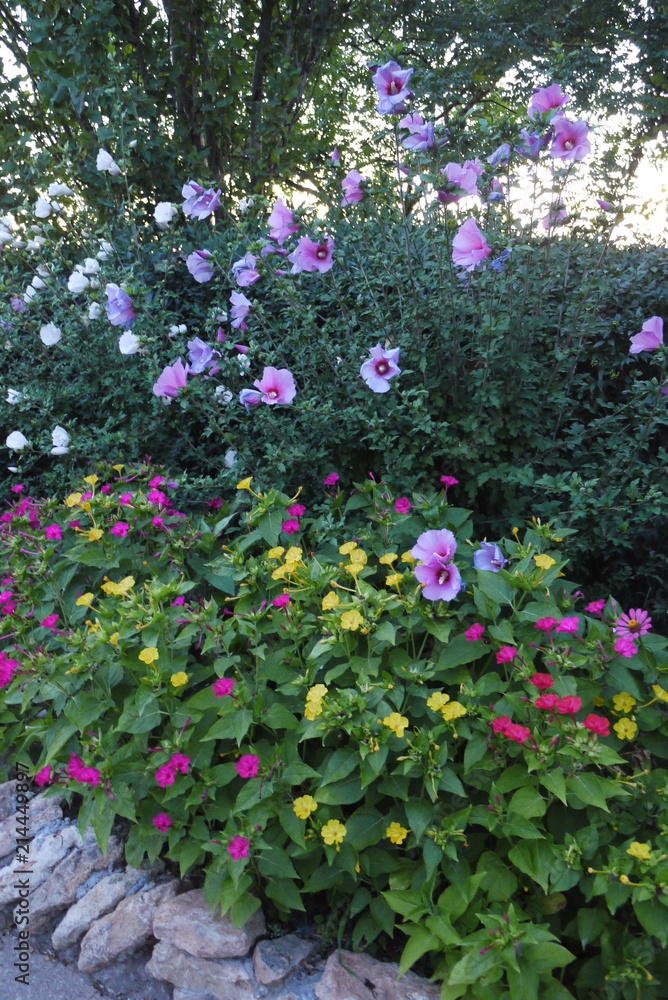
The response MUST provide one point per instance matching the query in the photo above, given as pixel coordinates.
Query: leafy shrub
(261, 689)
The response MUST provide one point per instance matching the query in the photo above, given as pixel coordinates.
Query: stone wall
(140, 929)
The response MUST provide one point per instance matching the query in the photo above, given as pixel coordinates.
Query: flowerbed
(355, 699)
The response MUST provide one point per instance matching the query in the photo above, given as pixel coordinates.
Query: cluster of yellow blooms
(292, 560)
(440, 702)
(314, 698)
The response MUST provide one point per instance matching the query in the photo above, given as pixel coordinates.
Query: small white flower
(90, 266)
(221, 317)
(43, 271)
(42, 209)
(245, 204)
(61, 440)
(133, 144)
(7, 222)
(36, 229)
(104, 251)
(94, 310)
(94, 283)
(5, 236)
(163, 213)
(16, 441)
(128, 343)
(59, 191)
(31, 244)
(243, 361)
(12, 468)
(77, 281)
(224, 395)
(37, 282)
(29, 294)
(183, 328)
(175, 330)
(55, 205)
(14, 396)
(105, 162)
(50, 335)
(18, 243)
(230, 458)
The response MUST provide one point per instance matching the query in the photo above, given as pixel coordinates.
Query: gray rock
(360, 977)
(40, 812)
(180, 994)
(275, 960)
(128, 927)
(101, 899)
(60, 888)
(43, 859)
(223, 980)
(7, 793)
(186, 922)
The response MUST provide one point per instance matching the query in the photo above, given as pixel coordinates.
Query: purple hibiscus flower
(240, 309)
(380, 368)
(276, 385)
(421, 133)
(532, 143)
(200, 355)
(650, 337)
(172, 380)
(391, 82)
(548, 99)
(461, 181)
(119, 306)
(435, 549)
(281, 223)
(469, 247)
(570, 140)
(199, 266)
(489, 557)
(245, 272)
(199, 204)
(310, 256)
(352, 191)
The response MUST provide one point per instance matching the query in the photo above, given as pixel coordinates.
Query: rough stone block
(223, 980)
(101, 899)
(43, 859)
(360, 977)
(186, 922)
(274, 960)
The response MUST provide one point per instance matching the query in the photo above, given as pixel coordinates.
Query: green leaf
(243, 908)
(653, 916)
(528, 803)
(278, 717)
(419, 816)
(339, 766)
(383, 914)
(523, 982)
(591, 923)
(546, 956)
(534, 858)
(555, 782)
(285, 893)
(459, 651)
(274, 863)
(589, 788)
(418, 944)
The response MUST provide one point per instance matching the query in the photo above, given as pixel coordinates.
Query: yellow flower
(358, 557)
(91, 480)
(408, 558)
(453, 711)
(113, 639)
(437, 701)
(351, 620)
(397, 723)
(394, 579)
(93, 626)
(179, 679)
(396, 833)
(94, 534)
(544, 562)
(642, 852)
(245, 484)
(85, 600)
(118, 468)
(623, 702)
(280, 571)
(347, 548)
(625, 729)
(119, 589)
(330, 601)
(333, 833)
(316, 693)
(293, 555)
(597, 701)
(304, 806)
(275, 553)
(312, 710)
(73, 499)
(660, 693)
(149, 654)
(388, 558)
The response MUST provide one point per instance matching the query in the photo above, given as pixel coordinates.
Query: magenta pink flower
(156, 481)
(281, 601)
(380, 368)
(276, 385)
(248, 765)
(178, 602)
(310, 256)
(240, 309)
(637, 622)
(157, 497)
(546, 624)
(79, 772)
(547, 701)
(180, 762)
(296, 509)
(569, 705)
(120, 529)
(172, 380)
(595, 607)
(520, 734)
(542, 681)
(474, 633)
(198, 265)
(43, 777)
(570, 141)
(53, 532)
(352, 190)
(238, 848)
(402, 505)
(568, 625)
(162, 822)
(290, 527)
(548, 99)
(331, 479)
(469, 247)
(391, 83)
(165, 775)
(49, 621)
(501, 723)
(223, 687)
(8, 667)
(597, 724)
(125, 499)
(506, 654)
(625, 646)
(650, 337)
(281, 223)
(448, 481)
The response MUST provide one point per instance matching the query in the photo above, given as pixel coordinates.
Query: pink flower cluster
(8, 667)
(223, 687)
(436, 549)
(77, 770)
(247, 766)
(291, 525)
(166, 774)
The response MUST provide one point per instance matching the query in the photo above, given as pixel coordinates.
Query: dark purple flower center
(382, 368)
(444, 576)
(394, 88)
(321, 253)
(273, 393)
(569, 144)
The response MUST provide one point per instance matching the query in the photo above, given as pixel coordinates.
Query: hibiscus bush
(422, 318)
(352, 700)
